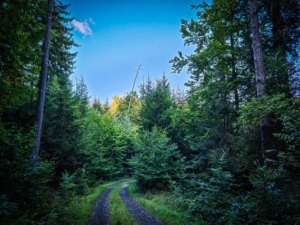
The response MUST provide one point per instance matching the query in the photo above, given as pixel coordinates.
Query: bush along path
(100, 214)
(141, 216)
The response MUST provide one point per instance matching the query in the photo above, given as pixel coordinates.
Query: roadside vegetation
(164, 205)
(83, 206)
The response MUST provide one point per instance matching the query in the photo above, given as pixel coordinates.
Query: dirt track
(101, 215)
(141, 216)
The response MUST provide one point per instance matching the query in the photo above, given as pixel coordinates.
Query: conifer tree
(63, 108)
(155, 101)
(21, 33)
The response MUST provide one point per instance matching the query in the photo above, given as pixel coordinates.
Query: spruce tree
(155, 101)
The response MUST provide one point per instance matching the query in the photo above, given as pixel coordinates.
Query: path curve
(141, 216)
(100, 214)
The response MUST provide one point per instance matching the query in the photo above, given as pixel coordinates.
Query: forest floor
(101, 215)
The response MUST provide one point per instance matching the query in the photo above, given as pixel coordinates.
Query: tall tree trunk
(234, 74)
(43, 80)
(265, 130)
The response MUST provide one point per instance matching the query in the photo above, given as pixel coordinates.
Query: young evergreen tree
(81, 94)
(155, 101)
(96, 104)
(156, 161)
(61, 129)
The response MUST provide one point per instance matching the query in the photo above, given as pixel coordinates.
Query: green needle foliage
(156, 161)
(163, 205)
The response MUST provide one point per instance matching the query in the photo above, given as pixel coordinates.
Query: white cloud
(82, 27)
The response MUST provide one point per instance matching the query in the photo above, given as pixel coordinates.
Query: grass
(163, 206)
(83, 206)
(118, 213)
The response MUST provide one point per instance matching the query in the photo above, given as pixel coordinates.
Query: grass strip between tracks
(119, 215)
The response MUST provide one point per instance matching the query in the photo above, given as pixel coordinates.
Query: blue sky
(116, 36)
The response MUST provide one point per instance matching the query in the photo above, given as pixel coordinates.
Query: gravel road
(100, 214)
(141, 216)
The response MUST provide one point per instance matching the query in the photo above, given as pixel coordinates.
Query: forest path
(101, 215)
(141, 216)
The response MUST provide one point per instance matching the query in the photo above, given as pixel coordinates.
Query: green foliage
(103, 144)
(61, 128)
(208, 150)
(156, 100)
(23, 181)
(257, 108)
(272, 200)
(290, 121)
(82, 206)
(207, 195)
(7, 207)
(189, 133)
(135, 106)
(164, 205)
(156, 161)
(21, 32)
(285, 113)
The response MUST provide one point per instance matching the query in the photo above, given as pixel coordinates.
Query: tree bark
(265, 129)
(43, 80)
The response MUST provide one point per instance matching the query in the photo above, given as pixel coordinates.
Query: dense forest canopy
(206, 146)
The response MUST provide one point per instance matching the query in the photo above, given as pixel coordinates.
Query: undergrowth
(163, 205)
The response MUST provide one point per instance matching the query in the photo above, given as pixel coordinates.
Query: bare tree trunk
(265, 130)
(43, 81)
(137, 73)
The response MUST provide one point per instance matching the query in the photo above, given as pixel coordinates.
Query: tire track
(141, 216)
(100, 214)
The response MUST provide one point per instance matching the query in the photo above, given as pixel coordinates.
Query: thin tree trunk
(137, 73)
(234, 74)
(43, 80)
(265, 130)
